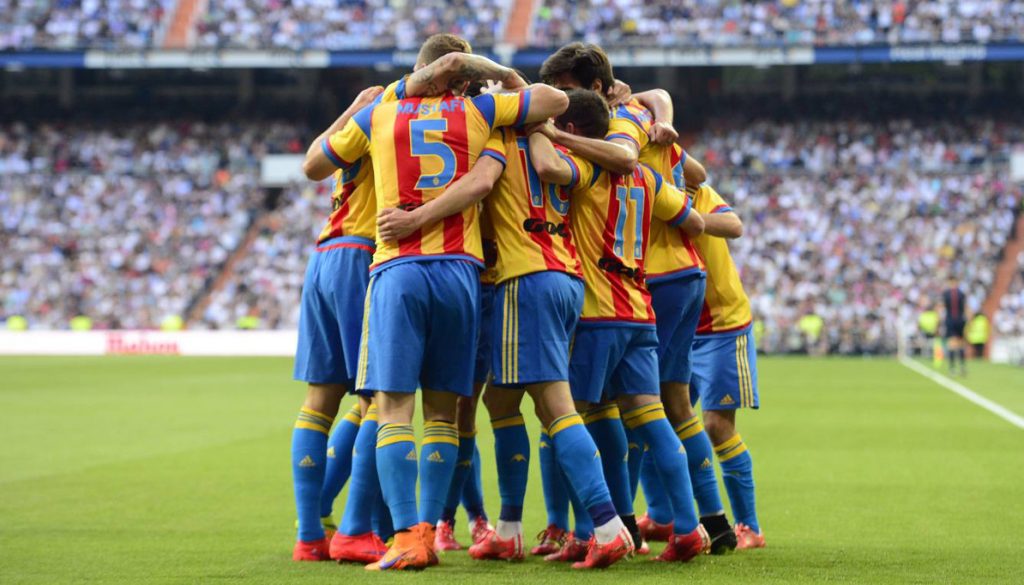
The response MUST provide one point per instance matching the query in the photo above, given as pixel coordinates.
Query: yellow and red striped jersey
(672, 254)
(531, 218)
(726, 306)
(353, 208)
(419, 146)
(612, 222)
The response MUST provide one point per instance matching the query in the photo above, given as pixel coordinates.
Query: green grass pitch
(176, 470)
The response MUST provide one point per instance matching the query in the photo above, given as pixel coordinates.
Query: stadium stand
(267, 282)
(132, 220)
(777, 22)
(1009, 319)
(852, 221)
(365, 24)
(107, 24)
(345, 24)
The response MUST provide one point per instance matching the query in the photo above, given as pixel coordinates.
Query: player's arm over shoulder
(552, 166)
(672, 205)
(719, 218)
(322, 156)
(534, 104)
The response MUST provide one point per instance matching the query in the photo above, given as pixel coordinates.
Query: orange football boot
(409, 552)
(429, 535)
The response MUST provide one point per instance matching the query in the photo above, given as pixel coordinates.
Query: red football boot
(362, 548)
(653, 531)
(683, 547)
(494, 547)
(573, 550)
(445, 537)
(316, 550)
(480, 529)
(600, 556)
(747, 538)
(552, 539)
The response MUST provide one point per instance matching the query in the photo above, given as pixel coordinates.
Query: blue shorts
(534, 318)
(677, 305)
(420, 327)
(725, 371)
(331, 314)
(611, 360)
(484, 340)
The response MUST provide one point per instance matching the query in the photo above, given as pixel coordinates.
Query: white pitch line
(966, 393)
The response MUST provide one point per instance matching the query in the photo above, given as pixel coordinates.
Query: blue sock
(580, 461)
(635, 443)
(556, 498)
(339, 458)
(461, 476)
(512, 454)
(738, 475)
(309, 459)
(583, 524)
(364, 490)
(437, 465)
(668, 454)
(397, 470)
(382, 524)
(699, 456)
(659, 507)
(473, 491)
(605, 426)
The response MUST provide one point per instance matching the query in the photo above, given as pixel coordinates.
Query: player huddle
(546, 239)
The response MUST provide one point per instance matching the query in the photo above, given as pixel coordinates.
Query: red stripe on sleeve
(458, 140)
(408, 170)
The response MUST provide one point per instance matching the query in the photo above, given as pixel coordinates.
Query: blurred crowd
(73, 24)
(777, 22)
(851, 227)
(1009, 319)
(346, 24)
(364, 24)
(262, 290)
(123, 225)
(859, 224)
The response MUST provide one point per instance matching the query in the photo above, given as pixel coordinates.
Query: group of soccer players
(550, 240)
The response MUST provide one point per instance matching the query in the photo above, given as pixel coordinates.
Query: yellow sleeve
(503, 109)
(623, 125)
(495, 146)
(670, 204)
(582, 170)
(709, 201)
(394, 92)
(349, 144)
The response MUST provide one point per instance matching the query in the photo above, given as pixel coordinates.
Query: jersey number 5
(623, 195)
(421, 146)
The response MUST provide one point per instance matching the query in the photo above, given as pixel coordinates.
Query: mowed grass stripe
(865, 473)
